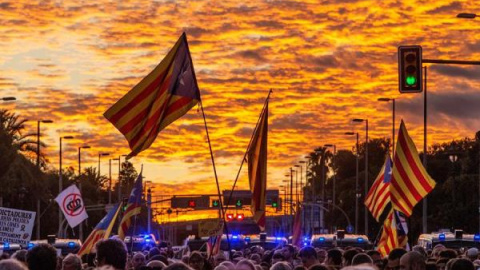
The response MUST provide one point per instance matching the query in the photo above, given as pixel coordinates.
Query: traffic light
(237, 217)
(230, 217)
(192, 203)
(239, 203)
(240, 217)
(215, 203)
(410, 69)
(275, 204)
(124, 204)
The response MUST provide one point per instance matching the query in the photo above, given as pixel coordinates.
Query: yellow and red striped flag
(163, 96)
(133, 207)
(101, 231)
(297, 227)
(410, 181)
(379, 195)
(394, 234)
(257, 169)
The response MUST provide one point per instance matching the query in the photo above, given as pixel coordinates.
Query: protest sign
(16, 225)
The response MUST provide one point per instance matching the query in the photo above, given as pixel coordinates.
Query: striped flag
(213, 245)
(394, 234)
(101, 231)
(297, 227)
(163, 96)
(410, 181)
(257, 169)
(132, 208)
(379, 195)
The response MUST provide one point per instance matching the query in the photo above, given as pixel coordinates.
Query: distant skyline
(326, 61)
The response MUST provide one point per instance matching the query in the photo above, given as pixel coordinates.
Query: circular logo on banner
(73, 205)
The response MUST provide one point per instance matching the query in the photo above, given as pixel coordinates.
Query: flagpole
(216, 177)
(248, 147)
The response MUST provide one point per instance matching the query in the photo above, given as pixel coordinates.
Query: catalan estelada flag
(257, 168)
(163, 96)
(379, 195)
(213, 245)
(297, 227)
(410, 181)
(101, 231)
(132, 208)
(394, 234)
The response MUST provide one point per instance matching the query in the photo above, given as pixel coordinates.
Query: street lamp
(8, 98)
(60, 181)
(301, 178)
(80, 183)
(466, 15)
(110, 179)
(38, 166)
(334, 169)
(358, 120)
(296, 181)
(356, 181)
(101, 155)
(393, 120)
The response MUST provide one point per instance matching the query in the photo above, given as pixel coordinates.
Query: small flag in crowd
(163, 96)
(71, 202)
(101, 231)
(379, 195)
(132, 208)
(410, 181)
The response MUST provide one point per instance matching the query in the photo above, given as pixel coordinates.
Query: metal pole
(38, 220)
(291, 196)
(60, 184)
(356, 189)
(424, 217)
(393, 127)
(109, 181)
(322, 211)
(38, 166)
(334, 173)
(80, 226)
(119, 181)
(99, 164)
(296, 186)
(478, 142)
(366, 176)
(149, 207)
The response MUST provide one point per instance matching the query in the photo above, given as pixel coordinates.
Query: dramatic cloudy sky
(327, 61)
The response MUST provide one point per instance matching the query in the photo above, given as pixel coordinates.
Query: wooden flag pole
(216, 180)
(246, 151)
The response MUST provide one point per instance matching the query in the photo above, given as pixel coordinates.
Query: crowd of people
(111, 254)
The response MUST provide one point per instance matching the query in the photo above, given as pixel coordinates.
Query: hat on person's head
(472, 253)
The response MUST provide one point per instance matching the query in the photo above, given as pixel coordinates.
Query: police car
(455, 240)
(9, 248)
(63, 246)
(140, 242)
(237, 242)
(340, 239)
(267, 242)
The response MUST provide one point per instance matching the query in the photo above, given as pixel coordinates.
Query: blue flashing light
(148, 240)
(441, 237)
(6, 245)
(305, 238)
(321, 239)
(305, 244)
(360, 240)
(476, 237)
(71, 244)
(30, 245)
(147, 237)
(247, 239)
(278, 238)
(234, 236)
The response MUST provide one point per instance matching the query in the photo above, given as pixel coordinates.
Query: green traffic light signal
(411, 80)
(239, 203)
(215, 203)
(274, 204)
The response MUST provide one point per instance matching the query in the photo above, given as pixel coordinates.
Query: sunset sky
(326, 61)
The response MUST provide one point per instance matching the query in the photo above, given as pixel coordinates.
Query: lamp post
(110, 179)
(302, 195)
(358, 120)
(80, 229)
(356, 181)
(120, 182)
(334, 170)
(60, 181)
(296, 182)
(38, 166)
(101, 155)
(393, 120)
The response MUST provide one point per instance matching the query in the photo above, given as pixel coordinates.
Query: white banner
(71, 203)
(16, 225)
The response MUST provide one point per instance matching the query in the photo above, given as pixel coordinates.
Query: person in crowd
(308, 255)
(447, 254)
(462, 264)
(280, 266)
(376, 258)
(138, 260)
(20, 255)
(441, 264)
(361, 258)
(72, 262)
(348, 256)
(393, 262)
(178, 266)
(12, 264)
(156, 265)
(219, 258)
(256, 258)
(319, 267)
(472, 254)
(196, 261)
(288, 253)
(334, 258)
(42, 257)
(277, 257)
(244, 265)
(111, 252)
(421, 250)
(228, 264)
(220, 267)
(321, 255)
(412, 261)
